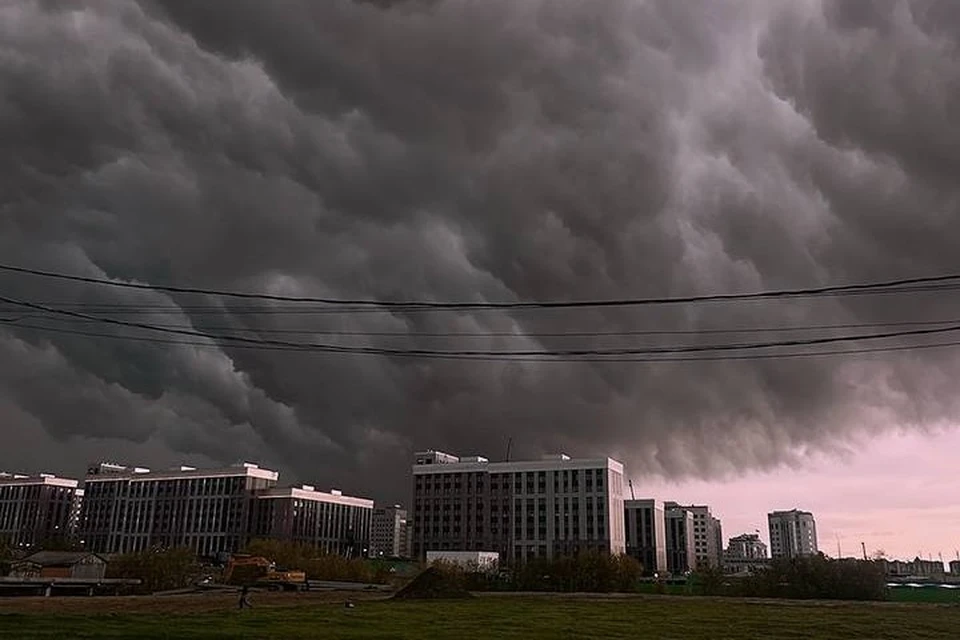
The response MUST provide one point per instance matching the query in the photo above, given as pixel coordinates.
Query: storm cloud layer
(483, 151)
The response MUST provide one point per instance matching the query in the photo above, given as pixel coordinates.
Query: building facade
(390, 533)
(793, 534)
(955, 567)
(522, 510)
(129, 509)
(745, 554)
(60, 564)
(916, 568)
(35, 509)
(681, 554)
(646, 534)
(331, 522)
(707, 535)
(747, 546)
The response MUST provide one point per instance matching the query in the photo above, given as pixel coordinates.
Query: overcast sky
(505, 150)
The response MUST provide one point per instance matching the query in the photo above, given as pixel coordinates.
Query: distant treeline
(811, 578)
(814, 577)
(316, 564)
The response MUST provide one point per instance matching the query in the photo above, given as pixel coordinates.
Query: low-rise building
(36, 509)
(469, 560)
(955, 567)
(390, 533)
(60, 564)
(329, 521)
(646, 534)
(916, 568)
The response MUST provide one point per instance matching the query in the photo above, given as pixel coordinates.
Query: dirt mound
(433, 584)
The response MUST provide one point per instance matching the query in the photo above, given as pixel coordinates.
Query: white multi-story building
(128, 509)
(328, 521)
(707, 535)
(793, 534)
(389, 537)
(646, 536)
(522, 510)
(36, 509)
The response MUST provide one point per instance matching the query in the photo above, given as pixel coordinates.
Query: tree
(158, 569)
(316, 564)
(818, 577)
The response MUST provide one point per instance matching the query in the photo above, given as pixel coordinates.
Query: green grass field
(500, 617)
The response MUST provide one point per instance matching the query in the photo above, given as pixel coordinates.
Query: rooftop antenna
(630, 484)
(864, 547)
(509, 445)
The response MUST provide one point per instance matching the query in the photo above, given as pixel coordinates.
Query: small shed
(60, 564)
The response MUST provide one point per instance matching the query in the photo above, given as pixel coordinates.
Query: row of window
(521, 482)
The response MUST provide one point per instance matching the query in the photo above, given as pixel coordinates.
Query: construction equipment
(258, 571)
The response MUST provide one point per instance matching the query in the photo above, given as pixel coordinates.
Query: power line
(559, 334)
(598, 354)
(668, 359)
(930, 283)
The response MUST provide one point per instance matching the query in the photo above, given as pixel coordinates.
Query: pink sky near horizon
(899, 493)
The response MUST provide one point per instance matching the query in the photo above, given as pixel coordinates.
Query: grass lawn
(687, 618)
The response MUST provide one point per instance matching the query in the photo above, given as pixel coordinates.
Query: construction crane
(630, 484)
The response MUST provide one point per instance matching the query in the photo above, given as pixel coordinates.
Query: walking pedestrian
(245, 598)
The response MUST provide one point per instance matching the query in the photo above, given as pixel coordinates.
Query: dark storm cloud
(471, 151)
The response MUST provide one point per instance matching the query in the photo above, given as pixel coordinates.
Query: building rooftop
(788, 512)
(106, 471)
(16, 479)
(308, 492)
(57, 558)
(431, 461)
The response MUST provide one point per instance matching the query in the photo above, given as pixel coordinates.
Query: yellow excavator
(257, 571)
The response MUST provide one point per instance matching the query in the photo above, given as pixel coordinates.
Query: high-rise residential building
(329, 521)
(646, 534)
(36, 509)
(390, 536)
(127, 509)
(681, 553)
(707, 535)
(522, 510)
(793, 534)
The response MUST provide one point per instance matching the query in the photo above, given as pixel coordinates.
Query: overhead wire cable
(598, 354)
(899, 285)
(704, 358)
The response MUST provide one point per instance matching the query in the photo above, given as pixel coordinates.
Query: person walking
(245, 598)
